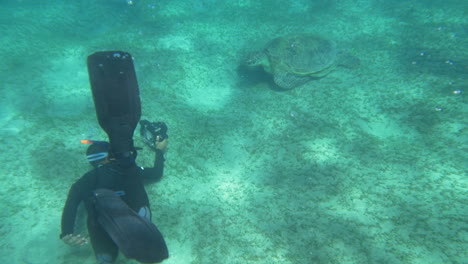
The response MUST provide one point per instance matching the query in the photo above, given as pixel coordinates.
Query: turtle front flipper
(347, 60)
(288, 81)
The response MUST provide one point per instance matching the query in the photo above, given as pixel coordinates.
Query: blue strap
(120, 193)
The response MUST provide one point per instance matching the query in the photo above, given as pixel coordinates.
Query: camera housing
(152, 132)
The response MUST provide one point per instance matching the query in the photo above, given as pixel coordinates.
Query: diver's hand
(161, 145)
(75, 240)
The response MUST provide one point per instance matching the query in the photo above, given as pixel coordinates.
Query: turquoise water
(366, 165)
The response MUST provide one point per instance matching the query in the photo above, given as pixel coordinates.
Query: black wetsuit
(111, 176)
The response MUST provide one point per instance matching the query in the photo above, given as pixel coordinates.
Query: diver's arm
(69, 211)
(159, 162)
(76, 195)
(75, 240)
(155, 173)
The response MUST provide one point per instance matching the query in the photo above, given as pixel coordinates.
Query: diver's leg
(136, 197)
(104, 258)
(145, 212)
(105, 249)
(136, 236)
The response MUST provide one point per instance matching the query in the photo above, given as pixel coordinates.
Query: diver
(119, 215)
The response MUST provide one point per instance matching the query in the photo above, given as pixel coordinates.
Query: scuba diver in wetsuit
(119, 216)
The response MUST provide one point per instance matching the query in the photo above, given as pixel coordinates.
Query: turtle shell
(295, 59)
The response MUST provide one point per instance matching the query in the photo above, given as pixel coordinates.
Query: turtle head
(256, 59)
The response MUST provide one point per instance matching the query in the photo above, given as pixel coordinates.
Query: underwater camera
(152, 132)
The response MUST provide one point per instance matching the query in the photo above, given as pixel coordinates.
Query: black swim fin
(137, 237)
(116, 96)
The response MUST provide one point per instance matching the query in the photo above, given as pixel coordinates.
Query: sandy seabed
(366, 165)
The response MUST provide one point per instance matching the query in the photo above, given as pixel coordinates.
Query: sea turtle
(296, 59)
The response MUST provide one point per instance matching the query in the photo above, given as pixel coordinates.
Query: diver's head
(97, 153)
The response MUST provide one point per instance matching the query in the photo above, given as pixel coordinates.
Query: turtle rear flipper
(289, 81)
(348, 61)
